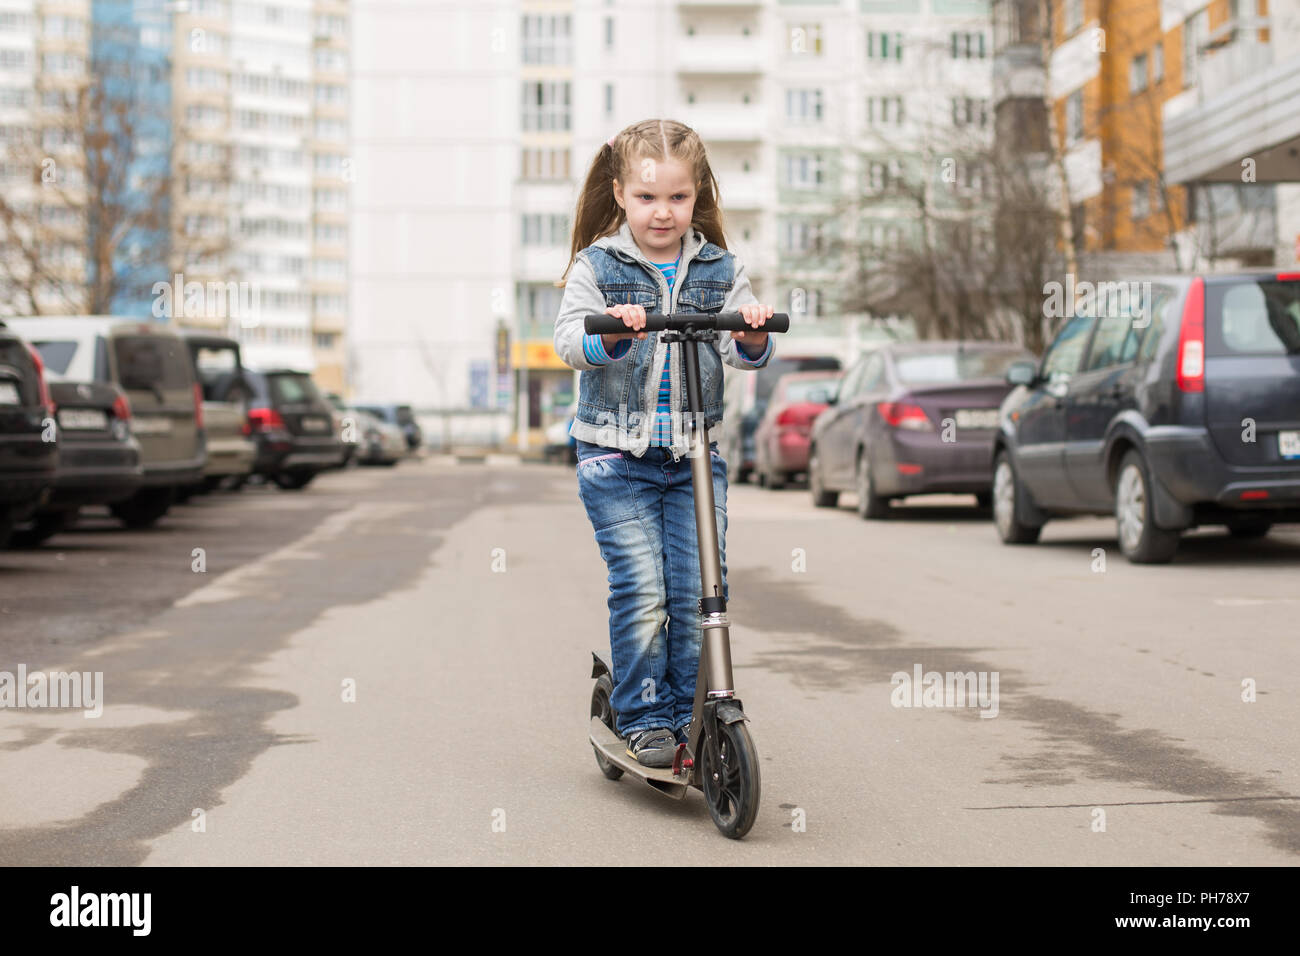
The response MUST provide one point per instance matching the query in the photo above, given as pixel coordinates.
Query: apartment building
(242, 109)
(801, 105)
(261, 107)
(1145, 118)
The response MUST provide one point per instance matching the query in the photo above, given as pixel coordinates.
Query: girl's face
(659, 199)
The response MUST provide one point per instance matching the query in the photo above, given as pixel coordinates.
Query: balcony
(1244, 107)
(1018, 73)
(721, 54)
(744, 191)
(726, 122)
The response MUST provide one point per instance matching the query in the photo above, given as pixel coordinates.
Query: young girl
(648, 238)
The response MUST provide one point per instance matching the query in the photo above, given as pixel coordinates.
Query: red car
(781, 439)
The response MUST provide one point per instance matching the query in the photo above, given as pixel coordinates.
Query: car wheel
(144, 508)
(1248, 528)
(45, 525)
(984, 500)
(294, 480)
(1006, 496)
(871, 506)
(820, 496)
(776, 479)
(1139, 538)
(6, 524)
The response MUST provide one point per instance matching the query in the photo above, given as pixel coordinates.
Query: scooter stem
(713, 608)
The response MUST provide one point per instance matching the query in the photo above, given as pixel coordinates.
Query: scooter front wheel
(731, 787)
(600, 708)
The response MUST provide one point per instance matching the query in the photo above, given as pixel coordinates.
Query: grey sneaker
(652, 748)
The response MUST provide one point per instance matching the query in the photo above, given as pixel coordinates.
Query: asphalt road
(458, 605)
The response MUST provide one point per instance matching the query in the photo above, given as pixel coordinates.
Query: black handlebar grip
(598, 324)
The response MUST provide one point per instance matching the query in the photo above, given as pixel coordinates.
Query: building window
(882, 174)
(804, 170)
(325, 340)
(609, 33)
(544, 164)
(1073, 15)
(609, 99)
(1137, 74)
(1193, 42)
(1141, 207)
(966, 46)
(800, 236)
(884, 110)
(547, 39)
(1158, 63)
(806, 38)
(544, 229)
(803, 106)
(1074, 117)
(546, 106)
(884, 46)
(967, 111)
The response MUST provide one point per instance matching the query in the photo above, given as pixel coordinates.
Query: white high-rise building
(476, 123)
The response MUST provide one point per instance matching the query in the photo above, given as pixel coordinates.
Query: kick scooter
(718, 756)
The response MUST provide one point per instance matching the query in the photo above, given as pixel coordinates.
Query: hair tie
(610, 142)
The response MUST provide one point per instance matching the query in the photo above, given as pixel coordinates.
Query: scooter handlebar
(597, 324)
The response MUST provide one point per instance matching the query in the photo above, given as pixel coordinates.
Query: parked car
(293, 426)
(150, 363)
(1186, 415)
(27, 459)
(745, 397)
(227, 396)
(560, 445)
(99, 460)
(781, 439)
(399, 415)
(378, 443)
(912, 419)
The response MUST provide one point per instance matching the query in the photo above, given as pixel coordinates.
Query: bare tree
(93, 227)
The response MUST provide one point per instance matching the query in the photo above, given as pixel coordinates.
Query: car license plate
(316, 424)
(976, 418)
(152, 425)
(8, 393)
(1288, 443)
(88, 418)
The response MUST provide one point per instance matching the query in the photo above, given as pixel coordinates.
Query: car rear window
(770, 373)
(162, 362)
(57, 355)
(404, 416)
(288, 389)
(954, 366)
(1256, 317)
(812, 390)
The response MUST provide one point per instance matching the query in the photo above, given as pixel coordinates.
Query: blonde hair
(599, 214)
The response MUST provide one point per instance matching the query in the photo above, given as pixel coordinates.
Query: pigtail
(598, 213)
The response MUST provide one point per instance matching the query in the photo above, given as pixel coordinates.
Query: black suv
(1181, 413)
(29, 451)
(293, 426)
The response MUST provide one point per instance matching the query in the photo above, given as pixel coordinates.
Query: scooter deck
(614, 749)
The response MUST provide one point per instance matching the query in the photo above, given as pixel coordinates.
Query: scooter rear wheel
(600, 708)
(732, 788)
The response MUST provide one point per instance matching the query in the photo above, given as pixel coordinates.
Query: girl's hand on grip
(633, 317)
(755, 315)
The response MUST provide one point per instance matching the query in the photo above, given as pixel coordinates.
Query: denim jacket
(617, 401)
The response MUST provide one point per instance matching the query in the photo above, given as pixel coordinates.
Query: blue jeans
(643, 512)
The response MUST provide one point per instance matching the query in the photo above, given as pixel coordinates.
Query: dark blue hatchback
(1183, 412)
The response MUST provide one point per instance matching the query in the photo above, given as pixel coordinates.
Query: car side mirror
(1022, 373)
